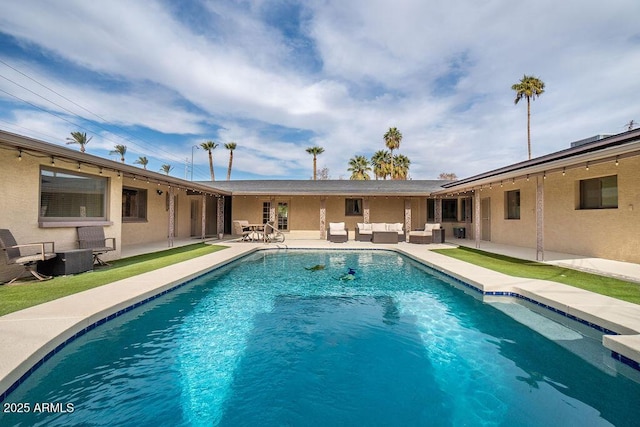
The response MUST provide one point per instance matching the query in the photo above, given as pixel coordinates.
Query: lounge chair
(93, 238)
(34, 252)
(432, 233)
(337, 232)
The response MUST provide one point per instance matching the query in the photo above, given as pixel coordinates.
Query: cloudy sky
(279, 76)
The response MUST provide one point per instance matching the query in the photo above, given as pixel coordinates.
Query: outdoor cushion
(378, 226)
(396, 226)
(335, 227)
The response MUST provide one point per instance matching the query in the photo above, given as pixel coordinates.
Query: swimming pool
(268, 341)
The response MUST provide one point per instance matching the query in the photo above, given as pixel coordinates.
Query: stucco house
(583, 200)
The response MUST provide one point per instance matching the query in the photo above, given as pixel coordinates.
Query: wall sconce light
(53, 162)
(617, 162)
(159, 192)
(19, 154)
(587, 165)
(564, 171)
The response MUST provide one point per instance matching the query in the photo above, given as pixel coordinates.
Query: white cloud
(440, 72)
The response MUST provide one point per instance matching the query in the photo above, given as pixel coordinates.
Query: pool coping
(29, 337)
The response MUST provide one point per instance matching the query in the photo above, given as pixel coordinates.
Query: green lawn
(620, 289)
(32, 292)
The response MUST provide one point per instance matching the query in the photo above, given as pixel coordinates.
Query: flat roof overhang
(22, 144)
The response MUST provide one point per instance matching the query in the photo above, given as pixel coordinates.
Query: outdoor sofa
(364, 231)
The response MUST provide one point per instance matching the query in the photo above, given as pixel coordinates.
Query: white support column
(323, 218)
(220, 215)
(272, 210)
(540, 218)
(365, 210)
(203, 217)
(172, 217)
(438, 210)
(407, 216)
(476, 216)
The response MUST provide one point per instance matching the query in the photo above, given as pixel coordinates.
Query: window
(450, 210)
(134, 204)
(512, 204)
(599, 193)
(352, 207)
(68, 196)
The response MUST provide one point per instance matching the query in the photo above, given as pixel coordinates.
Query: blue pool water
(265, 341)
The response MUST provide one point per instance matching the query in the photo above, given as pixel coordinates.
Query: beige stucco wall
(19, 206)
(604, 233)
(20, 200)
(304, 211)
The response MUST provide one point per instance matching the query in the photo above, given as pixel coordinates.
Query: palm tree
(142, 160)
(315, 151)
(400, 166)
(166, 168)
(79, 138)
(230, 146)
(381, 162)
(529, 87)
(392, 139)
(209, 146)
(119, 149)
(359, 167)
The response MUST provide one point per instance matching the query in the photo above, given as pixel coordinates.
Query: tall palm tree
(400, 166)
(381, 162)
(142, 160)
(392, 139)
(315, 151)
(119, 149)
(79, 138)
(230, 146)
(359, 167)
(529, 87)
(166, 168)
(209, 146)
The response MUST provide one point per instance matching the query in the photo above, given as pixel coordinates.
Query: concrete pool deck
(29, 336)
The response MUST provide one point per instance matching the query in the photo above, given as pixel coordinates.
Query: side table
(72, 261)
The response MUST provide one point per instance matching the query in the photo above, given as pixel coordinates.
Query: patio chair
(93, 238)
(34, 252)
(337, 232)
(241, 228)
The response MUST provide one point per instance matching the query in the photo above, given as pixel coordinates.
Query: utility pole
(186, 168)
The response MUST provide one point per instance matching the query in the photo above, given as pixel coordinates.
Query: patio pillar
(172, 217)
(438, 210)
(323, 218)
(365, 210)
(220, 215)
(539, 218)
(407, 216)
(203, 217)
(476, 216)
(272, 209)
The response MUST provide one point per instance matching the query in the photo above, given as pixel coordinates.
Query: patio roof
(24, 145)
(611, 149)
(329, 187)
